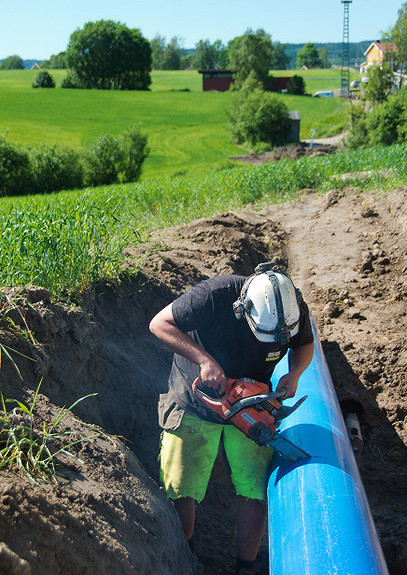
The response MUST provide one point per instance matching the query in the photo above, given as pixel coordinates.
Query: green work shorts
(188, 454)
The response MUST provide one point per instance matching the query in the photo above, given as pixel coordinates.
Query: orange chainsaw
(250, 406)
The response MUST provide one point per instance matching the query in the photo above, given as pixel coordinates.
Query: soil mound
(288, 152)
(346, 250)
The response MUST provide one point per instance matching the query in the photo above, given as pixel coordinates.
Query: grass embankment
(70, 240)
(187, 131)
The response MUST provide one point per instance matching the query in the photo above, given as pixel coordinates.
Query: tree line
(109, 55)
(171, 55)
(123, 49)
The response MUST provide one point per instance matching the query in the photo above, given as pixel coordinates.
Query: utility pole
(345, 74)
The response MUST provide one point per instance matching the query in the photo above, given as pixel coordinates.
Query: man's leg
(251, 514)
(249, 464)
(186, 459)
(185, 507)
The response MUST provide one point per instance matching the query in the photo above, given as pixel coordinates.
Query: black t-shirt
(206, 313)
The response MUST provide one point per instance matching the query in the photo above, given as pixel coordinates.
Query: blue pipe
(318, 514)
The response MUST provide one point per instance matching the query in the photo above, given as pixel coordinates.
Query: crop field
(70, 240)
(187, 130)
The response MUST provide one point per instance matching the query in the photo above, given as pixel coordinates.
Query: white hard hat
(268, 301)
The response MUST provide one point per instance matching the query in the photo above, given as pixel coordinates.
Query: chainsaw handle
(253, 400)
(207, 398)
(221, 404)
(216, 404)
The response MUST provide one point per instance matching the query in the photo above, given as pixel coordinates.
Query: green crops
(74, 239)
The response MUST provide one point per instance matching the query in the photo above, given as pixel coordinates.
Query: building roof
(294, 115)
(215, 71)
(382, 46)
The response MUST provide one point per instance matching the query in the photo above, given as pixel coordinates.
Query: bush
(14, 169)
(135, 150)
(116, 159)
(102, 161)
(358, 131)
(384, 121)
(71, 81)
(259, 116)
(44, 80)
(268, 84)
(384, 125)
(296, 86)
(55, 168)
(42, 168)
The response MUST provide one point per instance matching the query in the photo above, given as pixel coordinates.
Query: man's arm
(299, 359)
(164, 327)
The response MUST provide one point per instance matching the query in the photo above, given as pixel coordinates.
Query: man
(226, 327)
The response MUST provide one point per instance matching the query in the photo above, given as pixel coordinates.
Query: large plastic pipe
(319, 518)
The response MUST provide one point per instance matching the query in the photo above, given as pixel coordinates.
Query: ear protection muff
(243, 304)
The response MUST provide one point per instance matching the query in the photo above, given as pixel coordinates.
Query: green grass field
(71, 240)
(318, 79)
(188, 131)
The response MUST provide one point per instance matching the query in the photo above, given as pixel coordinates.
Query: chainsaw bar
(287, 448)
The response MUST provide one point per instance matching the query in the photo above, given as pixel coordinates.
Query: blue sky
(37, 29)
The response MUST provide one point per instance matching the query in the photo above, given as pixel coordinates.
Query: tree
(252, 51)
(323, 56)
(55, 62)
(308, 56)
(210, 56)
(280, 59)
(257, 116)
(379, 85)
(12, 63)
(399, 36)
(44, 80)
(108, 55)
(158, 45)
(204, 57)
(220, 55)
(186, 60)
(172, 55)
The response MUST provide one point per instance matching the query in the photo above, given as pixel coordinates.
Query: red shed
(280, 83)
(216, 80)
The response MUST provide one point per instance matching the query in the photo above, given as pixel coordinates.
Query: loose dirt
(106, 513)
(293, 151)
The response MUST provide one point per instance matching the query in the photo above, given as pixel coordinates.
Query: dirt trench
(346, 250)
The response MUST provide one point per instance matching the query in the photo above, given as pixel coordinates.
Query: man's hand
(298, 359)
(290, 382)
(212, 375)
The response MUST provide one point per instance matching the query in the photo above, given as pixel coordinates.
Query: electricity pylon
(345, 75)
